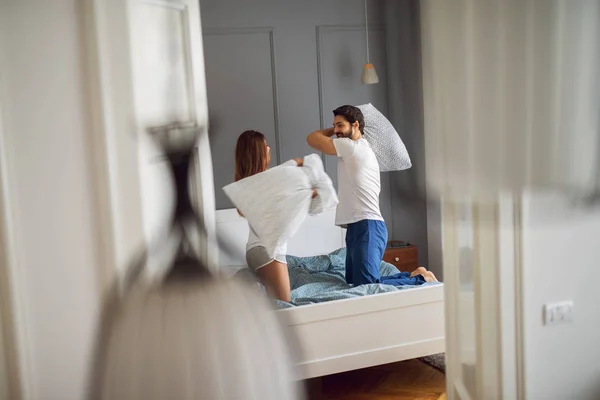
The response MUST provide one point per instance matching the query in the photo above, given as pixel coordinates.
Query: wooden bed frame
(355, 333)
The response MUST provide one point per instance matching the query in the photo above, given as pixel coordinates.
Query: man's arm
(321, 140)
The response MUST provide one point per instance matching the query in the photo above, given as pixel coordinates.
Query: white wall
(561, 261)
(49, 171)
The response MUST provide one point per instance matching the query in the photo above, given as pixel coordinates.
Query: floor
(406, 380)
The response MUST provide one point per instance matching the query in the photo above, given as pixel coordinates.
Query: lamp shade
(369, 75)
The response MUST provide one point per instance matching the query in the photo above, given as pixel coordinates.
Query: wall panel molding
(187, 51)
(325, 29)
(270, 31)
(322, 30)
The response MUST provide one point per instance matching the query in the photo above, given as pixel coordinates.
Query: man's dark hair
(351, 114)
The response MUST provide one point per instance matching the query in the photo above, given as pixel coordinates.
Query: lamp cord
(367, 30)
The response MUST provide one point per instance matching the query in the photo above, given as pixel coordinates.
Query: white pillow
(384, 140)
(277, 201)
(327, 197)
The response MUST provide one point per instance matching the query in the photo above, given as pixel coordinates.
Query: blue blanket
(322, 278)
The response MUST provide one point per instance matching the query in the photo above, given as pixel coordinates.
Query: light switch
(558, 313)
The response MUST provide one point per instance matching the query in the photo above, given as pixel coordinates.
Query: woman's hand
(299, 161)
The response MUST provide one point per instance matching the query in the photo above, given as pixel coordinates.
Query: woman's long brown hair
(251, 156)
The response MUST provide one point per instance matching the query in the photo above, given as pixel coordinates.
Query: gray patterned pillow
(384, 140)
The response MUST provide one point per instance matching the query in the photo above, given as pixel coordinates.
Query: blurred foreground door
(150, 71)
(511, 98)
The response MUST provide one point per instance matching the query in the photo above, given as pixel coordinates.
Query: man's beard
(347, 134)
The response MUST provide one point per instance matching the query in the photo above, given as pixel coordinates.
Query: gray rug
(437, 361)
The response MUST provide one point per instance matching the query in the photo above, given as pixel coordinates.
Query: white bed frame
(348, 334)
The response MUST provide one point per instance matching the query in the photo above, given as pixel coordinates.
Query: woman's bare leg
(275, 278)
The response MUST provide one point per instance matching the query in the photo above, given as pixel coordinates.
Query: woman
(252, 156)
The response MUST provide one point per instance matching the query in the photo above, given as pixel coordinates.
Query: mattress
(321, 279)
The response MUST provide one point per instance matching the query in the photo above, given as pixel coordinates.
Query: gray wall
(281, 67)
(409, 200)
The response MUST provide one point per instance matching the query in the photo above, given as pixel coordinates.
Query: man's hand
(299, 161)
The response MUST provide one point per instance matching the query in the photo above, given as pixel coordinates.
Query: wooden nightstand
(405, 258)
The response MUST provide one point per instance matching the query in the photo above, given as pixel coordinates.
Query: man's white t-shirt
(358, 182)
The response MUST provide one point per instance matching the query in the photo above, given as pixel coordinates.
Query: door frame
(14, 364)
(104, 25)
(111, 86)
(110, 98)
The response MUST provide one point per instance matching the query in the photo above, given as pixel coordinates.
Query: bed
(350, 333)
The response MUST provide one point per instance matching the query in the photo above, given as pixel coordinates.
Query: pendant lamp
(369, 75)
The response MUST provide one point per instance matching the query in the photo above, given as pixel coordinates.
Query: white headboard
(317, 235)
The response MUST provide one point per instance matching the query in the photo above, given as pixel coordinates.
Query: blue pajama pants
(366, 241)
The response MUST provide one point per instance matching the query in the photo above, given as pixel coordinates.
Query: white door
(511, 104)
(150, 73)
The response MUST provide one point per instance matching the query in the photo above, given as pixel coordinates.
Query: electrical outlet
(558, 313)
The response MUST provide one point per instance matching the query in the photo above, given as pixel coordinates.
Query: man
(358, 191)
